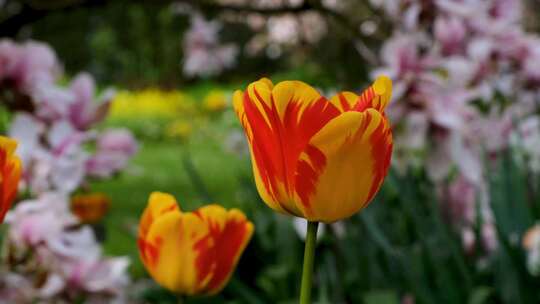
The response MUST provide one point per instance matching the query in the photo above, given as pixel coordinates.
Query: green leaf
(480, 295)
(381, 297)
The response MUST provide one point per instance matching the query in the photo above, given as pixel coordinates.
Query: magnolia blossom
(49, 240)
(204, 55)
(84, 112)
(28, 65)
(300, 227)
(464, 72)
(114, 149)
(527, 139)
(51, 255)
(54, 123)
(465, 202)
(58, 164)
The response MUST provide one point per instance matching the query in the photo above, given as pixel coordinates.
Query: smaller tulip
(90, 208)
(10, 174)
(191, 253)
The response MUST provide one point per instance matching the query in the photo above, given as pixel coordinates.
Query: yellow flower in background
(10, 174)
(90, 208)
(215, 101)
(179, 129)
(153, 103)
(315, 158)
(191, 253)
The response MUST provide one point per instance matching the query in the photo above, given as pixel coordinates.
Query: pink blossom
(204, 55)
(450, 33)
(531, 63)
(118, 141)
(65, 253)
(489, 236)
(527, 140)
(9, 56)
(106, 275)
(31, 64)
(52, 102)
(114, 149)
(85, 111)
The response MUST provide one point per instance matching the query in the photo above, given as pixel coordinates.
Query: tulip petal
(191, 252)
(159, 203)
(219, 251)
(10, 174)
(377, 96)
(357, 149)
(344, 101)
(8, 145)
(279, 123)
(174, 236)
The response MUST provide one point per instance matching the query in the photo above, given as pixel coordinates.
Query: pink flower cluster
(464, 72)
(51, 256)
(203, 54)
(53, 123)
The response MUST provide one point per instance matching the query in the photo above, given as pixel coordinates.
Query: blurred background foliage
(139, 43)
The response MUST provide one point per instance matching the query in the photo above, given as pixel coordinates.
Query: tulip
(315, 158)
(191, 253)
(10, 174)
(90, 208)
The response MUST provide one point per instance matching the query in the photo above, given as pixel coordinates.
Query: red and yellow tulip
(315, 158)
(10, 174)
(191, 253)
(90, 208)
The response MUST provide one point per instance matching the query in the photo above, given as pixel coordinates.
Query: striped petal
(159, 203)
(377, 96)
(344, 101)
(10, 174)
(191, 252)
(279, 122)
(174, 236)
(357, 147)
(219, 252)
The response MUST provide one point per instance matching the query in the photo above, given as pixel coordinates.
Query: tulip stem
(309, 256)
(181, 299)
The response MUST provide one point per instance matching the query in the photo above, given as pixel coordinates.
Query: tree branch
(305, 6)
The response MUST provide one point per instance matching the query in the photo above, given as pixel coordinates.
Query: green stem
(309, 256)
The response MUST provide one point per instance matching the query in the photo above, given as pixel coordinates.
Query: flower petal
(10, 174)
(376, 96)
(279, 123)
(159, 203)
(357, 149)
(344, 101)
(173, 237)
(9, 145)
(219, 252)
